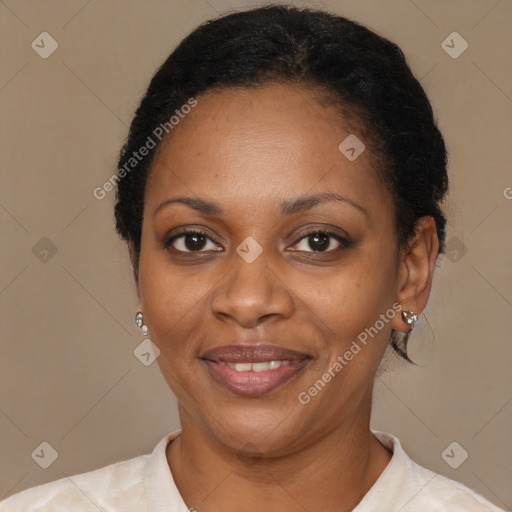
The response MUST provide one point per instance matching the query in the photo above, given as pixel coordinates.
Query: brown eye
(190, 241)
(320, 241)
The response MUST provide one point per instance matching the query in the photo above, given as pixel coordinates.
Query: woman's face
(255, 276)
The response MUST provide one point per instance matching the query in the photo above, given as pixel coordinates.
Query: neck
(333, 473)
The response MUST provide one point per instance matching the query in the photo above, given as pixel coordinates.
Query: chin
(252, 431)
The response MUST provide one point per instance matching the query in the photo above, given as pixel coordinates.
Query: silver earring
(409, 318)
(139, 322)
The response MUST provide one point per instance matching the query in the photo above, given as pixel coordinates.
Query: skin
(249, 150)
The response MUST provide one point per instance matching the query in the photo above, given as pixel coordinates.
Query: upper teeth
(255, 367)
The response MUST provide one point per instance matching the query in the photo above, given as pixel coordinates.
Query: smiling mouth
(253, 370)
(259, 366)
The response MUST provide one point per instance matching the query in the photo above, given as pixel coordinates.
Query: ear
(415, 275)
(134, 258)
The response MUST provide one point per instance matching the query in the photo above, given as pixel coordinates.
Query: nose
(251, 293)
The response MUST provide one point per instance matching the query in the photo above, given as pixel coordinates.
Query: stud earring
(409, 318)
(139, 322)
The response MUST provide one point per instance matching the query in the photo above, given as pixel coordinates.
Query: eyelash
(343, 241)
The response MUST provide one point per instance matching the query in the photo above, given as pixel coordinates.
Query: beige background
(68, 372)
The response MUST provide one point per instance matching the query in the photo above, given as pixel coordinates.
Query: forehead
(259, 145)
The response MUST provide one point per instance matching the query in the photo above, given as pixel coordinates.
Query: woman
(280, 194)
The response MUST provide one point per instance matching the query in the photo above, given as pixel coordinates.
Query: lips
(252, 354)
(253, 370)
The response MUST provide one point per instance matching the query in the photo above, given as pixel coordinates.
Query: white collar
(162, 491)
(164, 496)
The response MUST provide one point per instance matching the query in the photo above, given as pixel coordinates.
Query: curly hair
(366, 75)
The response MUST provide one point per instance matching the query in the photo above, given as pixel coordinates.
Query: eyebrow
(288, 207)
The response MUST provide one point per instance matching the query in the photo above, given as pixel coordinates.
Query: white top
(145, 484)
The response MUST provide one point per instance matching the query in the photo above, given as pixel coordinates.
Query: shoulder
(417, 489)
(442, 493)
(120, 483)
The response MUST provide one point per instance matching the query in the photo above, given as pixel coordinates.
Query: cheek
(172, 298)
(351, 297)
